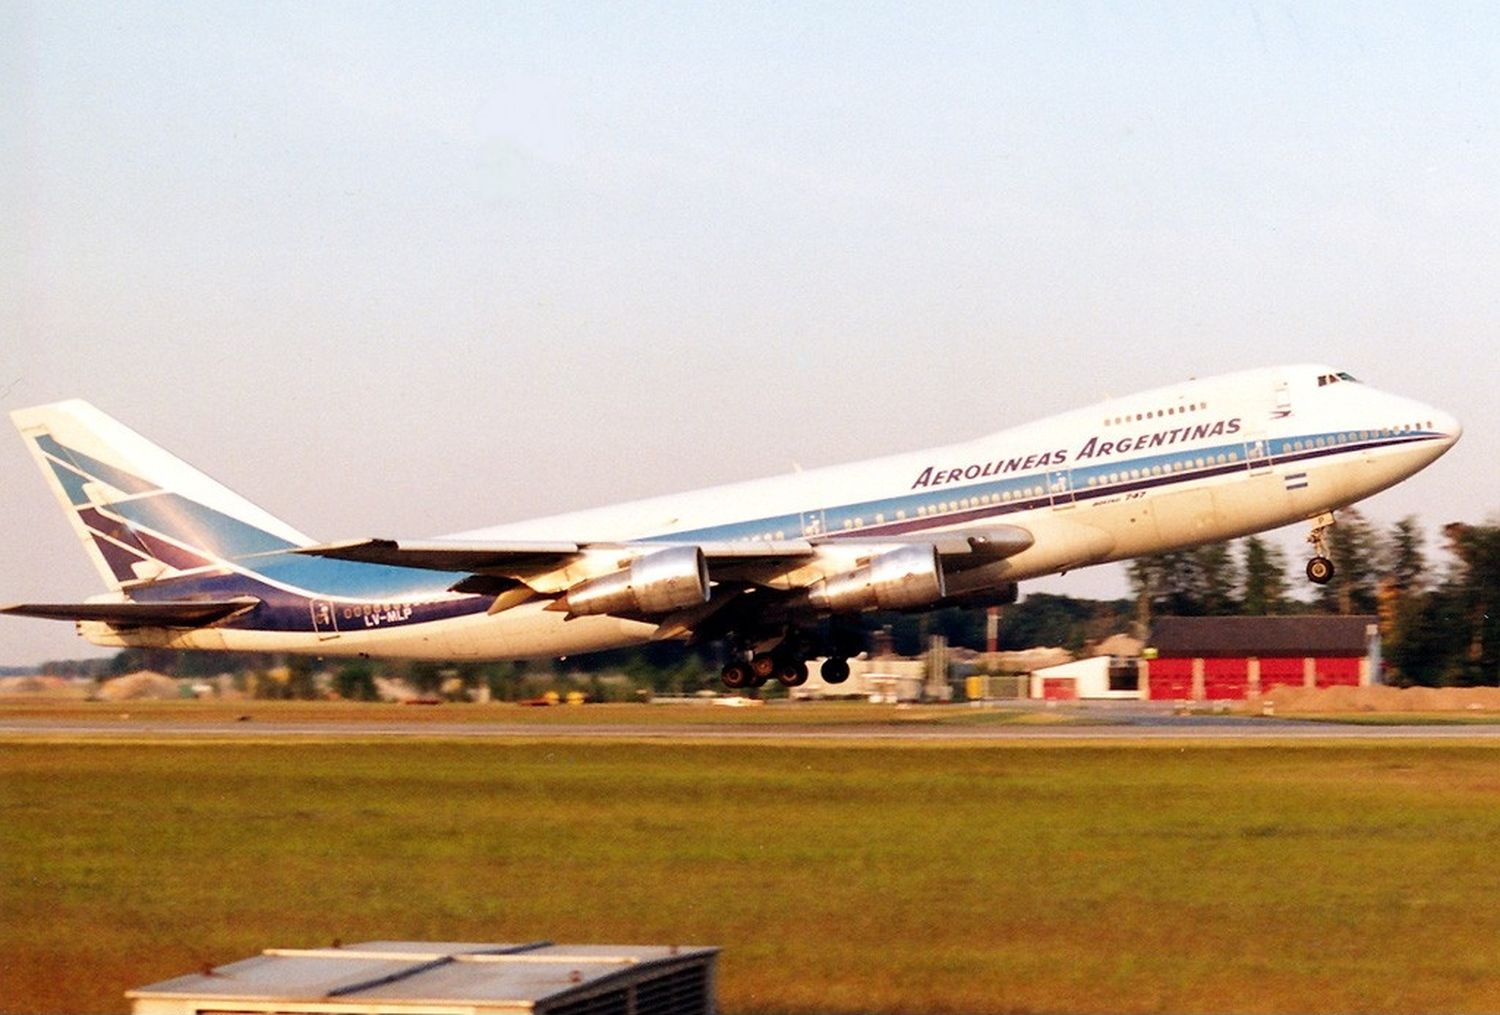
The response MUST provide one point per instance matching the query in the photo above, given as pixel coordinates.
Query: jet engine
(659, 582)
(895, 580)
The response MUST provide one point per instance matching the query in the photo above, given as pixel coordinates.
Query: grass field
(838, 879)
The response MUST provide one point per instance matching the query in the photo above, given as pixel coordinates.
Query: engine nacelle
(895, 580)
(659, 582)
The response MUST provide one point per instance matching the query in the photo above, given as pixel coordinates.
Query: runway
(1134, 729)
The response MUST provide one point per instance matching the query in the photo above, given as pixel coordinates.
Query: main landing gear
(735, 674)
(1320, 569)
(759, 669)
(786, 663)
(835, 670)
(751, 668)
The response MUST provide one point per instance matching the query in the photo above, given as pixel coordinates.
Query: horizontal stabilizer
(178, 614)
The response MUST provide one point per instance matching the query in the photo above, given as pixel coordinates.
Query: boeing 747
(757, 565)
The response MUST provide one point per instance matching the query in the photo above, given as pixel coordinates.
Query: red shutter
(1171, 679)
(1226, 679)
(1342, 672)
(1280, 672)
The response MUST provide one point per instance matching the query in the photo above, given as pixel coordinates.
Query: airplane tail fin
(141, 512)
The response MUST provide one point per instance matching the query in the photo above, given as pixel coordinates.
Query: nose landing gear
(1320, 569)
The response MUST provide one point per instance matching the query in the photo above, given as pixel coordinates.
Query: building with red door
(1231, 658)
(1094, 678)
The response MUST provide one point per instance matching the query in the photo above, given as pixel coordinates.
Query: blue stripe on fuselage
(935, 508)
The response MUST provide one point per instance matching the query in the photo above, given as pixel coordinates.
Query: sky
(411, 269)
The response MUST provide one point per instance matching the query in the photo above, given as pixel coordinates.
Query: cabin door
(324, 619)
(1258, 451)
(813, 523)
(1060, 485)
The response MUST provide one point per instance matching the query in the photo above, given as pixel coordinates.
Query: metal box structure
(446, 978)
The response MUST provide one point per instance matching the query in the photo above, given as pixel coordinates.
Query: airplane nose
(1447, 425)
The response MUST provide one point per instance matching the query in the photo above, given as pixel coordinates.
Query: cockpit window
(1326, 379)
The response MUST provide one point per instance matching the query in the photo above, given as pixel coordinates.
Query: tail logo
(111, 505)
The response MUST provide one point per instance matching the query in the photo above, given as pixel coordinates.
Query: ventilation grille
(684, 992)
(613, 1002)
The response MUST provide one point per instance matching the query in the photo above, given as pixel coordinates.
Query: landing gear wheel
(1320, 568)
(735, 675)
(834, 670)
(792, 673)
(763, 667)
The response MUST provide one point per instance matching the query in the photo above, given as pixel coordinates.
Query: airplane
(758, 566)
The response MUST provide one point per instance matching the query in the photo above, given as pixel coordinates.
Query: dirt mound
(1120, 645)
(39, 685)
(1378, 698)
(1024, 661)
(135, 686)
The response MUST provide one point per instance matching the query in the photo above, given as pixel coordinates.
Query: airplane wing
(707, 588)
(171, 614)
(551, 568)
(520, 559)
(495, 559)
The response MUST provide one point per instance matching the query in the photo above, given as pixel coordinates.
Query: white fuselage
(1122, 479)
(1190, 463)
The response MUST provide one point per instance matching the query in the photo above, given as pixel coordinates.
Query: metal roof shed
(1233, 658)
(1210, 637)
(446, 978)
